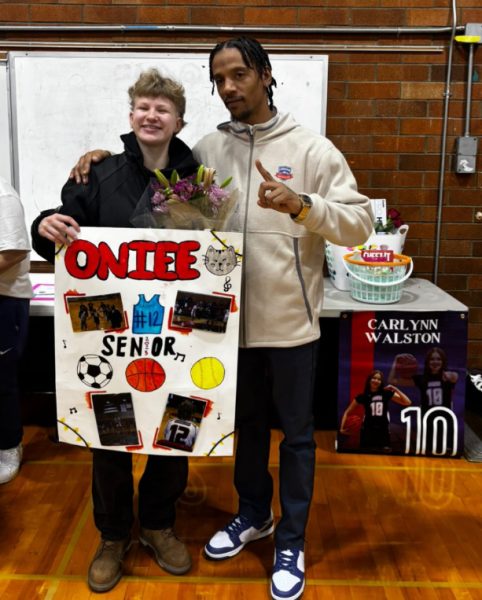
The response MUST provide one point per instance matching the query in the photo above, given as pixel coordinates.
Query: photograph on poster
(201, 311)
(374, 422)
(90, 313)
(181, 422)
(116, 422)
(402, 383)
(434, 380)
(435, 383)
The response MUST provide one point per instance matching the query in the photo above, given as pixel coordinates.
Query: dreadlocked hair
(254, 56)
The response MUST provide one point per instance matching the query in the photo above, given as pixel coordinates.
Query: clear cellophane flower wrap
(195, 202)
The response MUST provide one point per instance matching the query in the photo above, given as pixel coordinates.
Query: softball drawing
(207, 373)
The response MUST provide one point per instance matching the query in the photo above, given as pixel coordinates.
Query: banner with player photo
(401, 386)
(146, 340)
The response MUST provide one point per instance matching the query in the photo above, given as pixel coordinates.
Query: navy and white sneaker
(233, 538)
(288, 578)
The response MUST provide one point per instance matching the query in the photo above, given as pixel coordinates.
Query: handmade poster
(401, 386)
(146, 340)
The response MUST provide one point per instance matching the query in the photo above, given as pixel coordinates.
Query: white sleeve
(13, 232)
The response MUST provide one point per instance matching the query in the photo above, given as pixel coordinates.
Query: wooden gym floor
(381, 527)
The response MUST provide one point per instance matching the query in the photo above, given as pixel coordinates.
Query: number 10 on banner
(438, 427)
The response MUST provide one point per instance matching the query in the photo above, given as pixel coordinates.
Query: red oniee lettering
(167, 261)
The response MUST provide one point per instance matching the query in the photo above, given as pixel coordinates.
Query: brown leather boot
(105, 569)
(171, 554)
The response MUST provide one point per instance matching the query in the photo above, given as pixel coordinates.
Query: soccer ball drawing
(94, 371)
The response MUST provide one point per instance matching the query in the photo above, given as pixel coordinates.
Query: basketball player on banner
(108, 200)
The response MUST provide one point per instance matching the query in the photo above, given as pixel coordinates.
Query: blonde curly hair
(152, 84)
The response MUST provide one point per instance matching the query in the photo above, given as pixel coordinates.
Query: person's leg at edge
(293, 372)
(14, 314)
(161, 485)
(252, 479)
(112, 494)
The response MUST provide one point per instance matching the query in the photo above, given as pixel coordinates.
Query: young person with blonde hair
(157, 106)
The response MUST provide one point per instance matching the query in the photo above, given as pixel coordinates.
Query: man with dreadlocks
(285, 228)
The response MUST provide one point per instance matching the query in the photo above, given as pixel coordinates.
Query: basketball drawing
(207, 373)
(145, 374)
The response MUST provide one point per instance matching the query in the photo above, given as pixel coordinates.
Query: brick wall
(385, 107)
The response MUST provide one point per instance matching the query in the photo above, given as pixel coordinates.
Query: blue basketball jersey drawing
(147, 315)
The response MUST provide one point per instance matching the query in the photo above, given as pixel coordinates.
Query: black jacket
(115, 187)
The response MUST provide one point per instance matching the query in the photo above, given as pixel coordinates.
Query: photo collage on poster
(147, 340)
(401, 383)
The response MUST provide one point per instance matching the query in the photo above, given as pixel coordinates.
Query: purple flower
(185, 189)
(216, 196)
(159, 202)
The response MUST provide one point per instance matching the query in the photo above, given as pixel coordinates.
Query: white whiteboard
(64, 104)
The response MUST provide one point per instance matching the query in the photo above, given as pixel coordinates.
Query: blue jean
(280, 379)
(14, 314)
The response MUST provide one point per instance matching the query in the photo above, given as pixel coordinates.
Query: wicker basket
(378, 282)
(334, 254)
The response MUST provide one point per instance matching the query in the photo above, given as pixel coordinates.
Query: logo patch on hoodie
(284, 173)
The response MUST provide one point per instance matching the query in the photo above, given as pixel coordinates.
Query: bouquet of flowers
(193, 202)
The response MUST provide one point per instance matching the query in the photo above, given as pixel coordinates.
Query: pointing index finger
(266, 175)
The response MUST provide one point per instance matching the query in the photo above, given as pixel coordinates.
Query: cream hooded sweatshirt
(282, 260)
